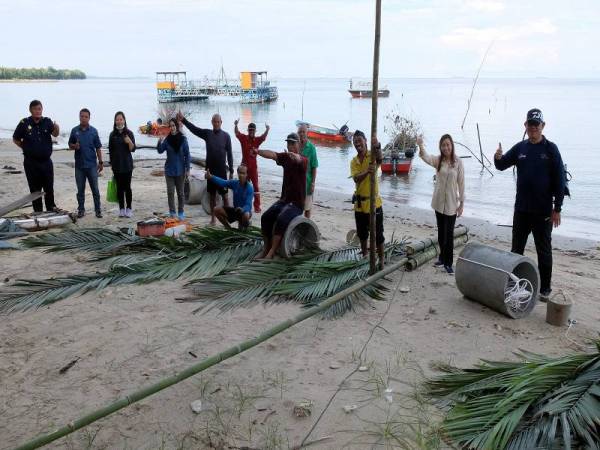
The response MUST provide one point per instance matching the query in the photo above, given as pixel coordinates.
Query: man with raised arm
(249, 143)
(218, 156)
(276, 219)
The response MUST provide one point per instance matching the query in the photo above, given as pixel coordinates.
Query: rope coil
(518, 292)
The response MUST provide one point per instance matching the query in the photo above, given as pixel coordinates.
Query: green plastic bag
(111, 191)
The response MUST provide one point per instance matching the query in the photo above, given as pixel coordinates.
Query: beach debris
(404, 289)
(68, 366)
(349, 408)
(264, 406)
(196, 406)
(193, 354)
(432, 310)
(303, 408)
(334, 365)
(158, 173)
(363, 368)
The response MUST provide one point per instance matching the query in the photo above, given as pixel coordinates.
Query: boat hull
(338, 138)
(162, 130)
(396, 166)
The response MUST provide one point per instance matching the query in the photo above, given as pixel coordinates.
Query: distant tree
(48, 73)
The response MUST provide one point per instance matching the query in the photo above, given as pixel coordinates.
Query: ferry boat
(364, 89)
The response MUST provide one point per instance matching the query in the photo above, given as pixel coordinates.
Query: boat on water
(364, 89)
(340, 135)
(397, 161)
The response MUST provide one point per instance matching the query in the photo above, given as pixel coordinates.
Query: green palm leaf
(541, 402)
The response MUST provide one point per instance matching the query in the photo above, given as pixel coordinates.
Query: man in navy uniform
(34, 136)
(540, 193)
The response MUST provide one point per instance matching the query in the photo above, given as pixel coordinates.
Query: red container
(151, 228)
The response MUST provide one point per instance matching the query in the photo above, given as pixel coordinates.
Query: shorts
(233, 214)
(276, 219)
(308, 202)
(213, 187)
(362, 225)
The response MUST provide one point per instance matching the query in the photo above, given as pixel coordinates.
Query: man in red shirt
(249, 143)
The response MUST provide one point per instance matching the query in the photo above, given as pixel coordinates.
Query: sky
(305, 38)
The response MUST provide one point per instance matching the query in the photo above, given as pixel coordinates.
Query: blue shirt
(540, 176)
(89, 142)
(242, 195)
(178, 162)
(36, 137)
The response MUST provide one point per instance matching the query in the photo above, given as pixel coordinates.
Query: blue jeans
(91, 175)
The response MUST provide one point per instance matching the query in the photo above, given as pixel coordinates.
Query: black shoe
(99, 214)
(80, 214)
(545, 295)
(449, 269)
(438, 263)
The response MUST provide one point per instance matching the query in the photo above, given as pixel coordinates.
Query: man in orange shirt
(249, 143)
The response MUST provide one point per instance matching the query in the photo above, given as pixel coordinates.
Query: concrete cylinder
(558, 311)
(486, 285)
(193, 190)
(301, 233)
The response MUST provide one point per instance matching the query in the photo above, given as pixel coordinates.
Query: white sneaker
(122, 213)
(128, 212)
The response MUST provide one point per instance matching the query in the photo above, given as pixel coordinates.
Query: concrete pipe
(301, 233)
(193, 190)
(482, 275)
(205, 200)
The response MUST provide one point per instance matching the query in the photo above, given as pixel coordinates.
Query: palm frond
(536, 403)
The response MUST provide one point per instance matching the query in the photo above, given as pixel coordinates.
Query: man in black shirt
(540, 193)
(218, 150)
(34, 136)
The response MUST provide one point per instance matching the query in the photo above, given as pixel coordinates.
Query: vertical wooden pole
(480, 148)
(373, 163)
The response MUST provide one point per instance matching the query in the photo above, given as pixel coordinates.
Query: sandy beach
(131, 336)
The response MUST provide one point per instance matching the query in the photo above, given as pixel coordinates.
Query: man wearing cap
(276, 219)
(540, 193)
(218, 147)
(360, 169)
(34, 136)
(308, 150)
(249, 142)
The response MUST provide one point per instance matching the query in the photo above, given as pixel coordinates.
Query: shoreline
(328, 199)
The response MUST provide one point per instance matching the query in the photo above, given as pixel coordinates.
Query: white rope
(518, 292)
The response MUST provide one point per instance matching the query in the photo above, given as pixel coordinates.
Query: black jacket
(121, 160)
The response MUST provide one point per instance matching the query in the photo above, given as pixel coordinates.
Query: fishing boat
(154, 129)
(396, 161)
(325, 134)
(364, 89)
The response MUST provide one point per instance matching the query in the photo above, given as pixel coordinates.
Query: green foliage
(540, 402)
(48, 73)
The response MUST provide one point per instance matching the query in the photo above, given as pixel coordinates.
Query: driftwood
(20, 203)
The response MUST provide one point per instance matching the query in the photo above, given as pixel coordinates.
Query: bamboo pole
(205, 364)
(418, 259)
(373, 163)
(419, 246)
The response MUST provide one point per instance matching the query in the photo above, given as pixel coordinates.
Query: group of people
(540, 179)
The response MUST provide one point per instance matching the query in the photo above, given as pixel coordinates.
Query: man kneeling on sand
(276, 219)
(243, 193)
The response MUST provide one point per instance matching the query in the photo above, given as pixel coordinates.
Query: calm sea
(571, 109)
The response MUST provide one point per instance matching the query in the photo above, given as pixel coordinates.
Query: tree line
(43, 73)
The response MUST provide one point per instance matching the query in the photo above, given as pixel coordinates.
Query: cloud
(472, 38)
(491, 6)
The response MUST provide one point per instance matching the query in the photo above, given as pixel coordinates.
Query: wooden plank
(20, 203)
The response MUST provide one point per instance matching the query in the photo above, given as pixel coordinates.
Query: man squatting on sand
(243, 193)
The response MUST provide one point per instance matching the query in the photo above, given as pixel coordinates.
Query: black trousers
(40, 177)
(445, 225)
(123, 181)
(541, 227)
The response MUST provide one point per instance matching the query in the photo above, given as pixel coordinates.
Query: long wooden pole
(373, 163)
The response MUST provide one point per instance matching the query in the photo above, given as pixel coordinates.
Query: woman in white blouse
(448, 195)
